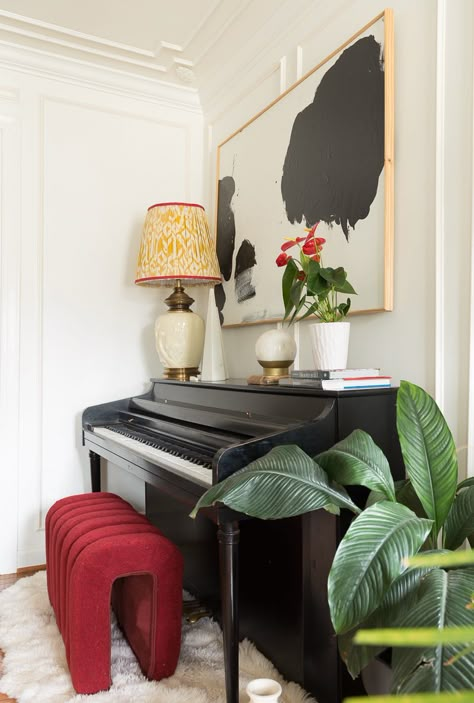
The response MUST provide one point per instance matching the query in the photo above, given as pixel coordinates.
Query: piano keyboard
(198, 472)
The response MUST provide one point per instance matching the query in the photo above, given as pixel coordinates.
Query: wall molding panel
(440, 226)
(10, 178)
(93, 152)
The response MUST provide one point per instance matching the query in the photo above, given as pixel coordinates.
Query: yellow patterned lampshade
(177, 244)
(177, 248)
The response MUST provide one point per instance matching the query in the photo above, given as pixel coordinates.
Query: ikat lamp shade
(177, 247)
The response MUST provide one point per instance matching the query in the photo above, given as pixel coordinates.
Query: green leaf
(344, 308)
(296, 291)
(284, 482)
(466, 483)
(346, 288)
(406, 495)
(441, 603)
(369, 559)
(289, 275)
(315, 282)
(428, 451)
(335, 277)
(357, 460)
(460, 521)
(298, 308)
(394, 605)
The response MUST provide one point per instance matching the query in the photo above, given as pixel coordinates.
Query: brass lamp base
(275, 368)
(177, 374)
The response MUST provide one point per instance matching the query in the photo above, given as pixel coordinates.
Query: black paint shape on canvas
(225, 243)
(244, 263)
(336, 150)
(220, 301)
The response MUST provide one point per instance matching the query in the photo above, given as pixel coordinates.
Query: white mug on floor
(263, 691)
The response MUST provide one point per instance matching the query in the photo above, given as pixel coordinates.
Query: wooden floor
(6, 581)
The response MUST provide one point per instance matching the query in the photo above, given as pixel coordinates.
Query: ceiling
(176, 42)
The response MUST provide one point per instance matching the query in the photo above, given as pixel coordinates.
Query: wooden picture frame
(322, 151)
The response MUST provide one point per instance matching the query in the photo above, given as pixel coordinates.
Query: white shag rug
(35, 669)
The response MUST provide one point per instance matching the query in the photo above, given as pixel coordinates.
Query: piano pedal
(193, 611)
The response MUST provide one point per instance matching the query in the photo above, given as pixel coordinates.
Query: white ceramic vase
(330, 344)
(275, 351)
(264, 691)
(213, 362)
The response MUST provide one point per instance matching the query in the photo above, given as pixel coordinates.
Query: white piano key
(175, 464)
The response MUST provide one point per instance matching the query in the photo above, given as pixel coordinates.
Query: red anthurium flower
(291, 243)
(282, 259)
(320, 241)
(301, 276)
(309, 247)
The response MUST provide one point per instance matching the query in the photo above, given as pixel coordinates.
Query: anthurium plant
(308, 287)
(370, 583)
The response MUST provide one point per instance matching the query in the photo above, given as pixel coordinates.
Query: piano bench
(101, 552)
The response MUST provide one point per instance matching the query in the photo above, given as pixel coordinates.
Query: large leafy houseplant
(369, 584)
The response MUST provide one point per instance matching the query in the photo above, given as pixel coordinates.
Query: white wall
(425, 338)
(82, 157)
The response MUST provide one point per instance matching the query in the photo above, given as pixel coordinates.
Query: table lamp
(177, 248)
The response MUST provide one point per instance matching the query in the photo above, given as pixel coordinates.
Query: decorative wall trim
(54, 28)
(440, 229)
(76, 46)
(8, 94)
(44, 64)
(10, 179)
(470, 380)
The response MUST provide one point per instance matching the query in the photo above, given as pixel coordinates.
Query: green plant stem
(444, 697)
(415, 636)
(453, 559)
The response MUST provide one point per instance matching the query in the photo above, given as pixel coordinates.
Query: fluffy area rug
(35, 669)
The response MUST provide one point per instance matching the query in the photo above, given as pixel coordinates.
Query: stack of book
(337, 379)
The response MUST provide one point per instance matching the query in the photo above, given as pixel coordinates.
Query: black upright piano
(265, 580)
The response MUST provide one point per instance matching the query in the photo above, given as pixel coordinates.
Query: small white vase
(264, 691)
(275, 351)
(330, 344)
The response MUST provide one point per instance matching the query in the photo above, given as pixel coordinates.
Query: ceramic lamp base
(179, 337)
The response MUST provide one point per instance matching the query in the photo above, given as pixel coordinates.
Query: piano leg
(95, 471)
(228, 537)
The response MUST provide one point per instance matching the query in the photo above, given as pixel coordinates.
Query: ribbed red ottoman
(100, 551)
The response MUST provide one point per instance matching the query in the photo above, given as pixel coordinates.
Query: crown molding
(44, 64)
(28, 32)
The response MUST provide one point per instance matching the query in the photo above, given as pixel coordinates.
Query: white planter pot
(330, 344)
(264, 691)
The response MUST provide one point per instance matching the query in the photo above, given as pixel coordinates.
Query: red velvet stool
(54, 513)
(100, 551)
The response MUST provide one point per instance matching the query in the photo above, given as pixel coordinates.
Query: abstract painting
(322, 152)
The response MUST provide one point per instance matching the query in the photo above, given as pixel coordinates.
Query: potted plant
(309, 288)
(369, 584)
